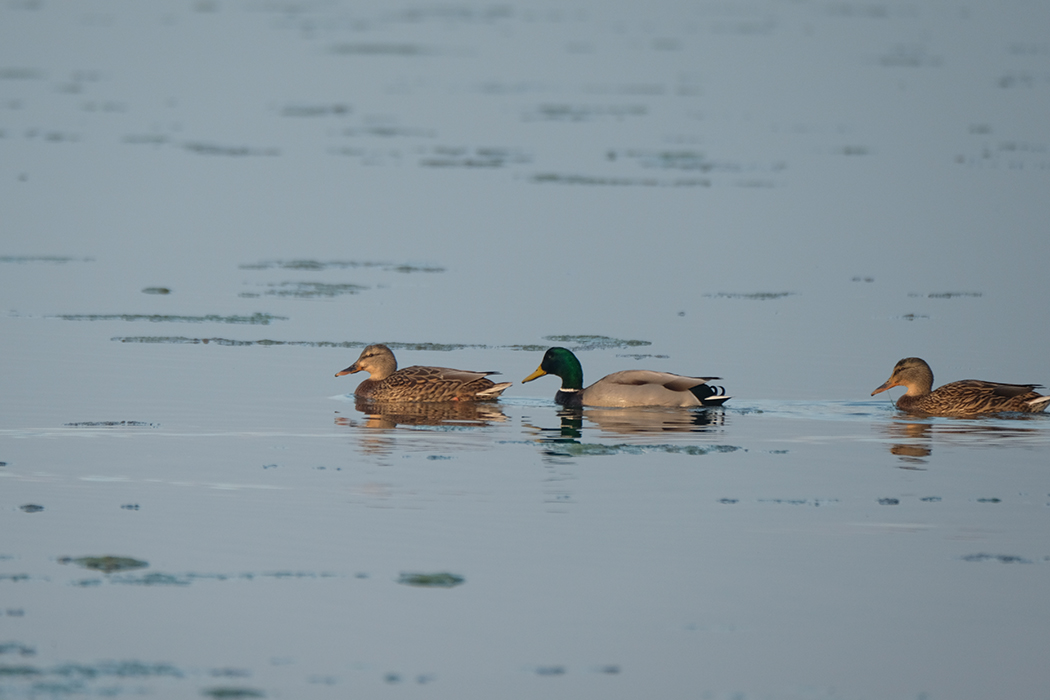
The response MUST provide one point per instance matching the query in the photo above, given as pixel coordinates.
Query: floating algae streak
(759, 296)
(216, 149)
(41, 259)
(599, 180)
(111, 424)
(163, 579)
(570, 449)
(439, 580)
(257, 319)
(428, 347)
(71, 679)
(306, 290)
(232, 692)
(339, 265)
(596, 342)
(946, 295)
(106, 564)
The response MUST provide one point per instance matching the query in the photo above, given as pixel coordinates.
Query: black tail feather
(710, 395)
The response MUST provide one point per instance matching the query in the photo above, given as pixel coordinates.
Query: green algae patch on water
(423, 347)
(319, 265)
(595, 342)
(752, 296)
(309, 290)
(380, 49)
(571, 449)
(947, 295)
(218, 149)
(163, 579)
(437, 580)
(680, 160)
(603, 181)
(76, 679)
(999, 558)
(15, 577)
(153, 579)
(563, 112)
(112, 424)
(120, 669)
(437, 347)
(232, 692)
(22, 259)
(256, 319)
(337, 109)
(481, 157)
(230, 342)
(106, 564)
(17, 648)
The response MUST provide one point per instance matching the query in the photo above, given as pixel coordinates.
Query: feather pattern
(388, 383)
(967, 397)
(633, 387)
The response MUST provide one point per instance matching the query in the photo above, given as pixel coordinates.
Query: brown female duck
(963, 398)
(388, 383)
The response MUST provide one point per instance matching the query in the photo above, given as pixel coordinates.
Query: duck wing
(441, 374)
(418, 383)
(1013, 389)
(978, 386)
(975, 396)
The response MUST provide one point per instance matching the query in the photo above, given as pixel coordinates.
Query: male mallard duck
(633, 387)
(388, 383)
(963, 398)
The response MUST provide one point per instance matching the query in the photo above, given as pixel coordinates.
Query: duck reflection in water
(628, 421)
(390, 414)
(633, 421)
(913, 440)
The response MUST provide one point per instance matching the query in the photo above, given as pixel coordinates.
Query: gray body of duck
(633, 387)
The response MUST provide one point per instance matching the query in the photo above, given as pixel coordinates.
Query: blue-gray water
(209, 207)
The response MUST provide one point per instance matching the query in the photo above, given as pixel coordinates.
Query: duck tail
(1039, 404)
(495, 390)
(710, 395)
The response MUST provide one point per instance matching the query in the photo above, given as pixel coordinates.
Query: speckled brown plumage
(388, 383)
(968, 397)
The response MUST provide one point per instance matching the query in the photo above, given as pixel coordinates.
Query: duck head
(561, 363)
(912, 373)
(378, 360)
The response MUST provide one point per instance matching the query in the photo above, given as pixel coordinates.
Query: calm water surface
(209, 208)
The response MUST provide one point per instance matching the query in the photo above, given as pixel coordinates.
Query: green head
(561, 363)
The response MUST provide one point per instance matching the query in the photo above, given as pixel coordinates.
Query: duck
(967, 397)
(633, 387)
(388, 383)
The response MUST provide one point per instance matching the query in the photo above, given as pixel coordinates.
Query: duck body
(633, 387)
(968, 397)
(388, 383)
